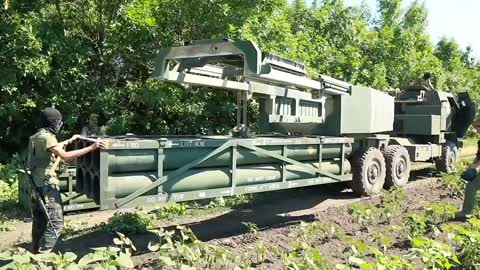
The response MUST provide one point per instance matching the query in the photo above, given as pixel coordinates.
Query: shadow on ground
(269, 210)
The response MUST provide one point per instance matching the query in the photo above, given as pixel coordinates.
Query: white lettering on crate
(179, 196)
(192, 143)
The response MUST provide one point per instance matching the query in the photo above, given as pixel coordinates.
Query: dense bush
(8, 185)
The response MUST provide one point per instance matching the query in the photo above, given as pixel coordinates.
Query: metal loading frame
(136, 197)
(68, 206)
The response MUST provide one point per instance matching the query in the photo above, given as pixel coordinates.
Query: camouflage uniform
(91, 131)
(40, 161)
(471, 189)
(92, 128)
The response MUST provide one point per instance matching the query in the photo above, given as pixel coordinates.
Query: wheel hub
(373, 173)
(451, 161)
(400, 168)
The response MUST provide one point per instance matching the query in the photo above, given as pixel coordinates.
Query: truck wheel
(398, 166)
(368, 172)
(446, 163)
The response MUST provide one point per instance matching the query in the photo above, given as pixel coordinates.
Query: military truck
(312, 131)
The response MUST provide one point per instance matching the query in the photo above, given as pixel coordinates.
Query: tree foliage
(97, 55)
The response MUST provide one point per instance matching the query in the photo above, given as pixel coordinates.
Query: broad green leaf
(356, 261)
(90, 258)
(114, 249)
(69, 256)
(5, 256)
(153, 246)
(21, 259)
(117, 241)
(125, 261)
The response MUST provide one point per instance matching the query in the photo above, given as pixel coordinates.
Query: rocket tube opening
(95, 162)
(95, 159)
(96, 189)
(79, 180)
(87, 184)
(88, 157)
(79, 145)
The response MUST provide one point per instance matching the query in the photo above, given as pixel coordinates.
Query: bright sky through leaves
(458, 19)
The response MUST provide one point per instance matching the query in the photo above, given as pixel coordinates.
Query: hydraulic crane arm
(238, 65)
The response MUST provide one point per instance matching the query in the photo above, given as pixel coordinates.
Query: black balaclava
(52, 120)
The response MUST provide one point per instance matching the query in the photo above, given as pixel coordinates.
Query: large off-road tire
(446, 163)
(368, 171)
(397, 161)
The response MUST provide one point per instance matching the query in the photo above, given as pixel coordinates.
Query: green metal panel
(146, 159)
(420, 102)
(333, 113)
(423, 109)
(417, 124)
(423, 152)
(366, 111)
(212, 193)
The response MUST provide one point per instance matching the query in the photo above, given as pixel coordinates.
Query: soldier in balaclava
(43, 150)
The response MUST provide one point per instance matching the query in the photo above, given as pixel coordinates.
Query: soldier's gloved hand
(469, 174)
